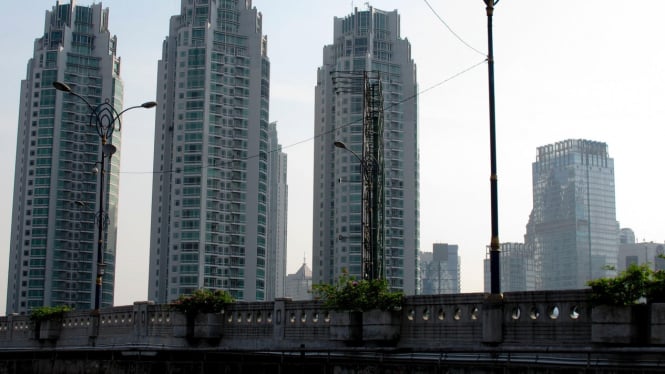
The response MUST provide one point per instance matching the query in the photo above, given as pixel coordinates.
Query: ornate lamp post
(104, 118)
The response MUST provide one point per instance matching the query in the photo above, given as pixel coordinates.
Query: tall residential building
(517, 268)
(278, 214)
(573, 228)
(211, 190)
(367, 42)
(440, 269)
(53, 247)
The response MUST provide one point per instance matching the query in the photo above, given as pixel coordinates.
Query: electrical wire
(453, 32)
(466, 70)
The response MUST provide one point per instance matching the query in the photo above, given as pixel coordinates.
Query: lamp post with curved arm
(372, 259)
(104, 118)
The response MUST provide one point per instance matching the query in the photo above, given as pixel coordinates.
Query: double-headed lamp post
(104, 118)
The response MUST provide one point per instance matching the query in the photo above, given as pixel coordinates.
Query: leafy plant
(44, 313)
(202, 301)
(350, 294)
(629, 286)
(655, 289)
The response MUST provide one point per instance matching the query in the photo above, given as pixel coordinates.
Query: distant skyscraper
(54, 237)
(365, 41)
(641, 253)
(626, 236)
(572, 227)
(518, 272)
(211, 191)
(299, 284)
(440, 269)
(277, 212)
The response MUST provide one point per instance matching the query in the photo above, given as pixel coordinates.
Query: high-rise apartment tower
(572, 228)
(278, 213)
(53, 247)
(365, 43)
(211, 190)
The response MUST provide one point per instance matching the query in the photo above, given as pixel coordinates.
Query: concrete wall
(528, 323)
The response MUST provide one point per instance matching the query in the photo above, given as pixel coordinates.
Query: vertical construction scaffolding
(373, 179)
(372, 165)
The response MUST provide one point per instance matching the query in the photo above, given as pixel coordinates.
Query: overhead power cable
(453, 32)
(328, 131)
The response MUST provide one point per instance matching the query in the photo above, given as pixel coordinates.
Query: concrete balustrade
(549, 320)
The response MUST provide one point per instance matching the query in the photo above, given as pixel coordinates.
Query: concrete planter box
(381, 325)
(49, 329)
(347, 326)
(619, 324)
(657, 319)
(208, 325)
(200, 326)
(370, 326)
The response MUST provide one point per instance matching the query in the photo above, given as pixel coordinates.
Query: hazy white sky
(564, 69)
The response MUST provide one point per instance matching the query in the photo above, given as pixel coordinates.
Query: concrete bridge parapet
(516, 322)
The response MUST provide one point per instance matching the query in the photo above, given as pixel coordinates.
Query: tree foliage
(631, 286)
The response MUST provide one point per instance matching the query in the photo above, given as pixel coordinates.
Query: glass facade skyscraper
(54, 235)
(440, 270)
(211, 189)
(518, 271)
(367, 42)
(572, 228)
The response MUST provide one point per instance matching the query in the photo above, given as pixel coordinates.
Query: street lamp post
(104, 118)
(495, 277)
(371, 260)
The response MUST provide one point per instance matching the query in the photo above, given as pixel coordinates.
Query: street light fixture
(341, 145)
(372, 260)
(104, 118)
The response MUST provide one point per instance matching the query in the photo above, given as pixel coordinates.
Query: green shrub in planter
(45, 313)
(202, 301)
(350, 294)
